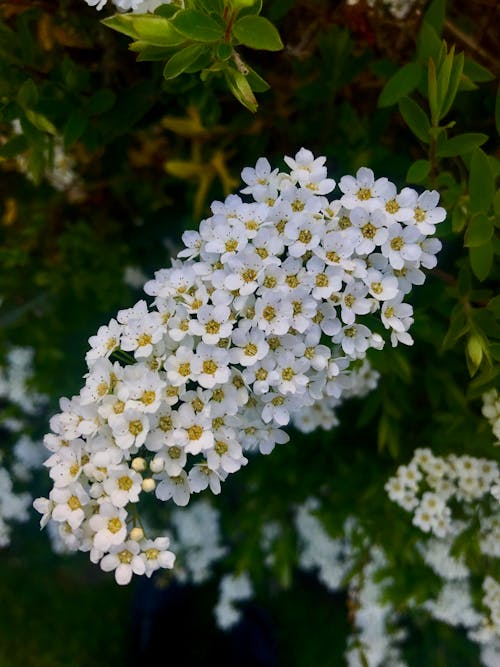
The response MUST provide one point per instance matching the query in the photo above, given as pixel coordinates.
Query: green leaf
(182, 60)
(74, 127)
(149, 52)
(400, 84)
(14, 146)
(224, 51)
(256, 82)
(458, 218)
(432, 92)
(27, 96)
(240, 88)
(40, 121)
(418, 171)
(416, 118)
(459, 326)
(481, 260)
(121, 23)
(477, 72)
(157, 31)
(479, 231)
(461, 144)
(247, 7)
(257, 32)
(481, 182)
(167, 11)
(435, 15)
(443, 77)
(197, 26)
(100, 102)
(428, 44)
(455, 79)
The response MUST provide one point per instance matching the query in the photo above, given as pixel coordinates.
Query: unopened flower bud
(156, 465)
(148, 484)
(136, 534)
(139, 464)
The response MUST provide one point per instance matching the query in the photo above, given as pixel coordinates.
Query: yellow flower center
(114, 525)
(125, 483)
(195, 432)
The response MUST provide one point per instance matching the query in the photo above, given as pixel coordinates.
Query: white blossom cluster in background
(18, 405)
(491, 410)
(197, 541)
(429, 484)
(136, 6)
(375, 636)
(260, 322)
(232, 590)
(398, 8)
(446, 494)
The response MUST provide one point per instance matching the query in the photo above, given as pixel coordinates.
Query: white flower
(108, 525)
(123, 486)
(363, 190)
(176, 487)
(155, 555)
(125, 560)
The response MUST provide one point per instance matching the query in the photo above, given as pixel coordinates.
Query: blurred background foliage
(103, 164)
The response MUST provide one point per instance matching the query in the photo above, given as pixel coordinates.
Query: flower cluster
(232, 589)
(264, 319)
(491, 410)
(19, 454)
(375, 636)
(429, 484)
(136, 6)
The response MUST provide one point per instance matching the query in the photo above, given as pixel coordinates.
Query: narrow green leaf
(257, 32)
(182, 60)
(479, 231)
(240, 88)
(481, 260)
(400, 84)
(458, 218)
(481, 182)
(157, 31)
(443, 77)
(435, 15)
(432, 92)
(74, 127)
(461, 144)
(418, 171)
(197, 26)
(428, 44)
(459, 326)
(256, 82)
(477, 72)
(40, 121)
(148, 52)
(455, 79)
(27, 96)
(121, 23)
(416, 118)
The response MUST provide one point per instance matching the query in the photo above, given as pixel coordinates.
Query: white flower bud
(148, 484)
(139, 464)
(156, 465)
(136, 534)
